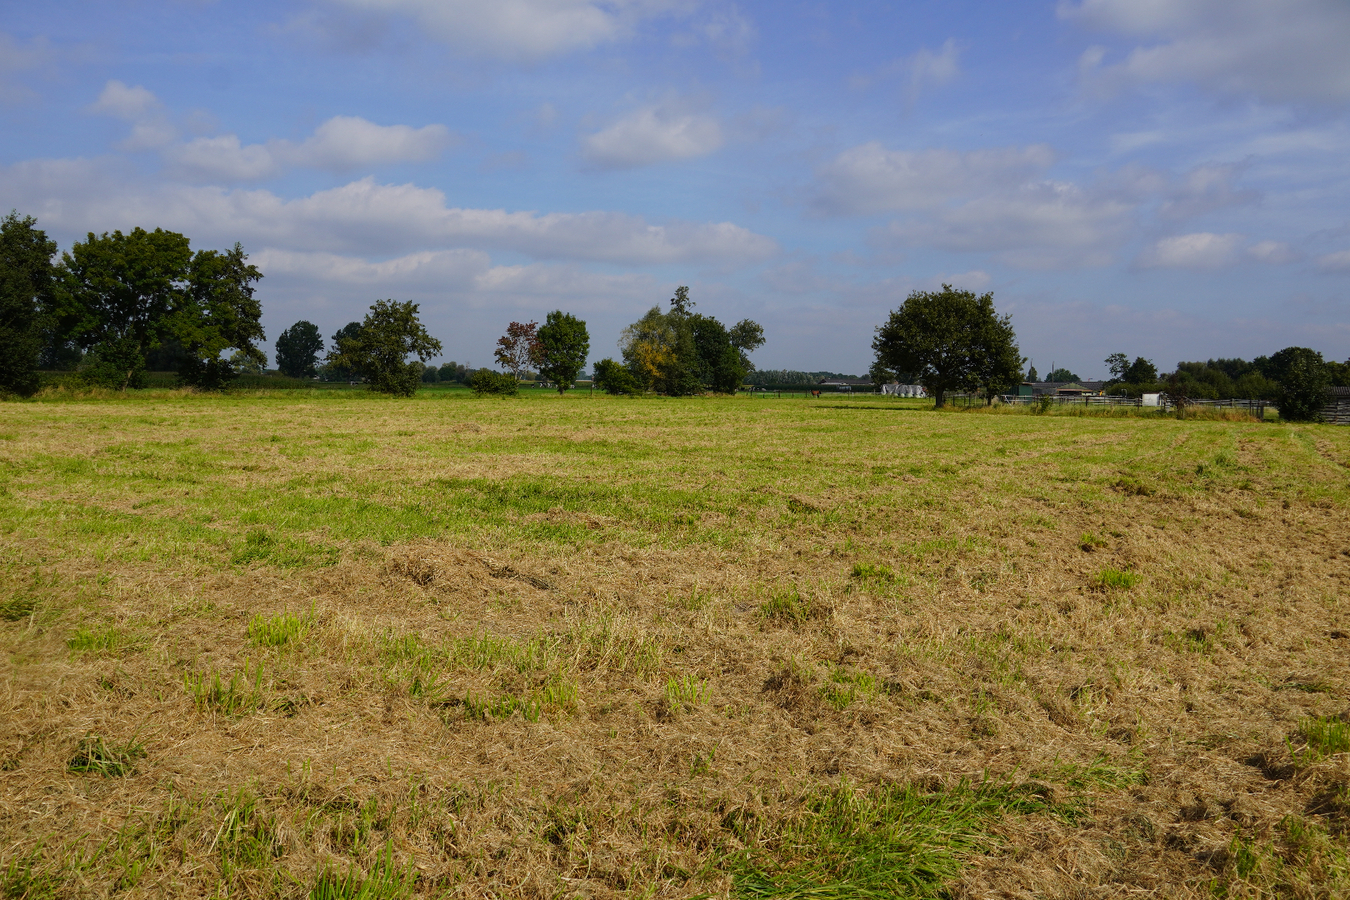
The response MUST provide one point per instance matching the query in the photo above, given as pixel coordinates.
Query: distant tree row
(680, 353)
(792, 376)
(1295, 379)
(114, 300)
(559, 349)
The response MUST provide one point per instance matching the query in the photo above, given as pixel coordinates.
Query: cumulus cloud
(871, 179)
(1039, 225)
(125, 102)
(19, 56)
(362, 217)
(1273, 253)
(1335, 262)
(341, 144)
(1288, 51)
(999, 201)
(920, 71)
(1204, 189)
(1201, 250)
(521, 30)
(139, 106)
(660, 132)
(468, 273)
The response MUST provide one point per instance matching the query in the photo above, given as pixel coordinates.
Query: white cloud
(871, 179)
(361, 217)
(123, 102)
(1202, 250)
(1335, 262)
(922, 70)
(1204, 189)
(661, 132)
(1038, 225)
(729, 31)
(1294, 50)
(1273, 253)
(341, 144)
(16, 56)
(521, 30)
(139, 106)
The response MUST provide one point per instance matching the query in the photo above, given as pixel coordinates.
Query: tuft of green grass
(875, 572)
(17, 607)
(242, 694)
(895, 841)
(504, 707)
(686, 692)
(1115, 580)
(386, 881)
(845, 687)
(260, 546)
(1326, 735)
(95, 640)
(789, 607)
(278, 631)
(1090, 542)
(1133, 487)
(1098, 773)
(95, 756)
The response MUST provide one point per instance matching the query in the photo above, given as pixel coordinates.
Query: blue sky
(1162, 178)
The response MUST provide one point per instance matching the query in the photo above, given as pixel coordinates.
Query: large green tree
(120, 292)
(562, 347)
(681, 352)
(379, 350)
(124, 295)
(952, 340)
(298, 349)
(219, 312)
(26, 279)
(1304, 379)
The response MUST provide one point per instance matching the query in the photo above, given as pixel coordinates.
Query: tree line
(954, 340)
(114, 299)
(115, 306)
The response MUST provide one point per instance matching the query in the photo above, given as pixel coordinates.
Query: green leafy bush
(501, 384)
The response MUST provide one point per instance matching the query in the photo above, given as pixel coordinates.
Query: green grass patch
(385, 881)
(19, 606)
(262, 547)
(96, 640)
(1326, 735)
(1115, 580)
(241, 694)
(279, 631)
(95, 756)
(686, 692)
(844, 687)
(789, 607)
(894, 841)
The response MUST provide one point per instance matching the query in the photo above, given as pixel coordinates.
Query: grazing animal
(815, 393)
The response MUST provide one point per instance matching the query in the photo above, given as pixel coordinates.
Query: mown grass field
(329, 645)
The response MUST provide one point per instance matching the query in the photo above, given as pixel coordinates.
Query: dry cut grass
(342, 647)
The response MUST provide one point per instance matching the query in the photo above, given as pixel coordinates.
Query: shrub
(486, 381)
(612, 378)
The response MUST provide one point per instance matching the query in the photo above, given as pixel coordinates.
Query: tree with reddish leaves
(519, 347)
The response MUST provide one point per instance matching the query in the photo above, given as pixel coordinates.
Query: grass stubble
(344, 647)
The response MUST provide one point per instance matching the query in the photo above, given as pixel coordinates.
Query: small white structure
(903, 390)
(1150, 400)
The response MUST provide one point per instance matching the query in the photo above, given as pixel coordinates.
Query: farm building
(1061, 388)
(1337, 410)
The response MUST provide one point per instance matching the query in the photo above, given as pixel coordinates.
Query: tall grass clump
(896, 841)
(1326, 735)
(279, 631)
